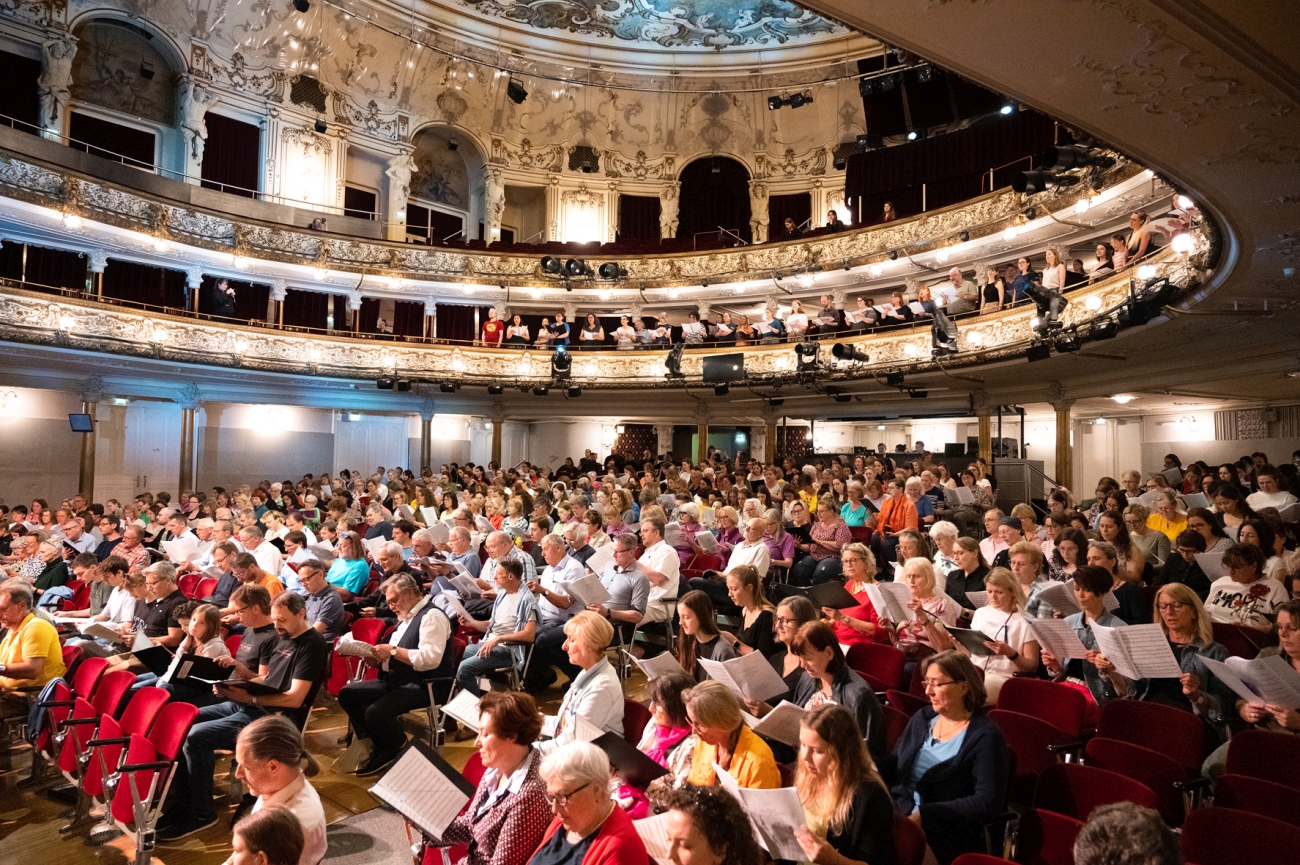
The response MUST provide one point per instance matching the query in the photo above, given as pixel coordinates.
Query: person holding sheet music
(932, 610)
(507, 818)
(825, 538)
(723, 737)
(859, 624)
(1205, 523)
(791, 614)
(1182, 567)
(30, 654)
(1093, 672)
(595, 692)
(952, 760)
(848, 808)
(897, 512)
(1027, 568)
(1154, 545)
(1245, 596)
(700, 637)
(273, 763)
(1191, 637)
(745, 590)
(707, 826)
(1230, 504)
(555, 608)
(1269, 495)
(589, 827)
(970, 572)
(1014, 649)
(1259, 533)
(513, 621)
(415, 654)
(1270, 716)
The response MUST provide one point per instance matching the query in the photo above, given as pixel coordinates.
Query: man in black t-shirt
(156, 617)
(253, 657)
(297, 666)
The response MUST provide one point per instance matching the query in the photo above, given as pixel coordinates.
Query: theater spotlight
(495, 390)
(321, 126)
(301, 5)
(575, 392)
(610, 270)
(870, 142)
(888, 83)
(845, 351)
(806, 355)
(516, 91)
(146, 71)
(447, 387)
(893, 255)
(925, 74)
(722, 389)
(1038, 351)
(384, 383)
(1031, 182)
(1067, 343)
(1050, 306)
(552, 265)
(799, 100)
(963, 236)
(894, 379)
(561, 364)
(917, 134)
(541, 390)
(1007, 109)
(403, 385)
(577, 267)
(866, 86)
(917, 394)
(774, 102)
(1104, 329)
(452, 143)
(943, 333)
(674, 361)
(1073, 156)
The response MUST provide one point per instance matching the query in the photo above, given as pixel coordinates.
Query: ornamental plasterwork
(29, 317)
(550, 158)
(639, 167)
(268, 82)
(790, 166)
(394, 126)
(306, 138)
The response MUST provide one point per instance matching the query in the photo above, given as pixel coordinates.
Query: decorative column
(90, 394)
(188, 400)
(669, 195)
(984, 414)
(1064, 450)
(431, 318)
(494, 201)
(758, 216)
(54, 85)
(194, 99)
(769, 446)
(498, 421)
(354, 309)
(702, 437)
(193, 282)
(399, 171)
(426, 433)
(279, 290)
(665, 433)
(705, 309)
(98, 260)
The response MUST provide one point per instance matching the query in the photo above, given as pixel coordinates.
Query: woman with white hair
(596, 693)
(589, 827)
(945, 534)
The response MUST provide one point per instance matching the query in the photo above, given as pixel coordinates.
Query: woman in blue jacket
(952, 760)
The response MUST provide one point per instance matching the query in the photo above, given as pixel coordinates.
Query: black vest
(400, 674)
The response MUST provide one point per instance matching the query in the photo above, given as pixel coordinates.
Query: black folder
(832, 595)
(632, 767)
(202, 669)
(156, 658)
(972, 640)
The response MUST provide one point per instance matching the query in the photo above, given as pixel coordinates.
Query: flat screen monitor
(954, 449)
(81, 423)
(720, 368)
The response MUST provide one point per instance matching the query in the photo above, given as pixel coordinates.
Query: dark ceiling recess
(916, 104)
(307, 92)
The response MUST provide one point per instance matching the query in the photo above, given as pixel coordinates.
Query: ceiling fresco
(679, 24)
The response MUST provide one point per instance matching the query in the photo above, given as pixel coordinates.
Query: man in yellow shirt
(30, 654)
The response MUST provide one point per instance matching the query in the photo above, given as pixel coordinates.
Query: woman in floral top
(930, 609)
(1245, 596)
(827, 536)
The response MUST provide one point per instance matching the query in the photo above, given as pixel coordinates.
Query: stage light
(1183, 243)
(611, 270)
(1031, 182)
(894, 379)
(943, 333)
(1104, 329)
(1146, 271)
(776, 403)
(866, 86)
(799, 100)
(1038, 351)
(1184, 203)
(893, 255)
(495, 390)
(577, 267)
(301, 5)
(146, 71)
(842, 397)
(552, 265)
(963, 236)
(321, 126)
(516, 91)
(871, 142)
(847, 352)
(774, 102)
(1073, 156)
(674, 361)
(1093, 303)
(916, 134)
(1050, 304)
(806, 355)
(574, 392)
(888, 83)
(541, 390)
(448, 387)
(925, 74)
(722, 390)
(1067, 343)
(1007, 109)
(384, 383)
(561, 364)
(404, 385)
(918, 394)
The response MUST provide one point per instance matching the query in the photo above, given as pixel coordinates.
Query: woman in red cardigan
(589, 827)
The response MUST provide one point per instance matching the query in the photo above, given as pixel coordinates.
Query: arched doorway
(714, 192)
(446, 192)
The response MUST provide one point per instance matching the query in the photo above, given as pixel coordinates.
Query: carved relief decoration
(549, 158)
(639, 167)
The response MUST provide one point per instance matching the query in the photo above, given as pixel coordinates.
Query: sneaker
(375, 764)
(186, 826)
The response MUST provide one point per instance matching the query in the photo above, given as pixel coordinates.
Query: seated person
(1002, 620)
(699, 636)
(508, 814)
(274, 764)
(711, 824)
(273, 836)
(513, 620)
(833, 222)
(296, 668)
(1191, 637)
(1245, 596)
(595, 693)
(324, 606)
(256, 646)
(588, 827)
(223, 558)
(118, 611)
(952, 760)
(662, 568)
(722, 737)
(752, 552)
(202, 626)
(1182, 567)
(1094, 673)
(54, 570)
(757, 631)
(30, 654)
(349, 572)
(858, 624)
(415, 654)
(554, 608)
(933, 610)
(665, 738)
(156, 618)
(841, 791)
(248, 571)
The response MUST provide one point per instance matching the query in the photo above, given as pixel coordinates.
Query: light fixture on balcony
(161, 244)
(72, 222)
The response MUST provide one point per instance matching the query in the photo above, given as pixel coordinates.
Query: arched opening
(446, 187)
(714, 193)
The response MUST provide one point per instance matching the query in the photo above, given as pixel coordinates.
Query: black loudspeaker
(720, 368)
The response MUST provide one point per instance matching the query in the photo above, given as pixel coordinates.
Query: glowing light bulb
(72, 221)
(674, 293)
(1093, 303)
(806, 280)
(66, 322)
(876, 269)
(161, 245)
(240, 262)
(942, 256)
(1082, 205)
(605, 294)
(1183, 243)
(975, 338)
(1010, 233)
(1184, 203)
(241, 346)
(1147, 271)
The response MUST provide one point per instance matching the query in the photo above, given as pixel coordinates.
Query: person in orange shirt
(246, 570)
(896, 514)
(493, 329)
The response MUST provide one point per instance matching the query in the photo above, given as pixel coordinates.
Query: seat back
(879, 661)
(1226, 836)
(80, 599)
(1075, 790)
(110, 691)
(1046, 838)
(206, 587)
(88, 672)
(905, 702)
(144, 707)
(77, 734)
(187, 583)
(1270, 756)
(71, 660)
(138, 752)
(1057, 704)
(474, 769)
(978, 859)
(1238, 642)
(233, 642)
(1177, 734)
(55, 715)
(635, 718)
(787, 771)
(1258, 797)
(369, 630)
(1152, 768)
(170, 728)
(1030, 738)
(860, 534)
(909, 841)
(895, 723)
(103, 759)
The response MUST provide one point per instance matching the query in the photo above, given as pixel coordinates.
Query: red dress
(865, 613)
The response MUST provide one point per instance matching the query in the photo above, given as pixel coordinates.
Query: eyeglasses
(559, 800)
(784, 621)
(930, 684)
(1171, 607)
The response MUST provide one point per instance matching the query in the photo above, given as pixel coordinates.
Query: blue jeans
(475, 665)
(215, 728)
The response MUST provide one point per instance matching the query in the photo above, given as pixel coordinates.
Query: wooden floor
(30, 820)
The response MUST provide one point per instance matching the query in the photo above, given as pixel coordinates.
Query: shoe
(185, 827)
(375, 764)
(464, 734)
(241, 810)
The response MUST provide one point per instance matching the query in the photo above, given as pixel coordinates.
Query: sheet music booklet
(659, 665)
(774, 813)
(1059, 638)
(1138, 651)
(749, 677)
(464, 708)
(979, 599)
(425, 789)
(654, 835)
(972, 640)
(832, 595)
(780, 724)
(632, 767)
(890, 601)
(707, 541)
(1267, 680)
(202, 669)
(601, 558)
(586, 591)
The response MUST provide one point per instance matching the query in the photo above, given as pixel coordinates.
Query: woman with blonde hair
(860, 624)
(848, 808)
(1053, 275)
(1010, 639)
(1029, 527)
(723, 738)
(1190, 632)
(932, 610)
(727, 533)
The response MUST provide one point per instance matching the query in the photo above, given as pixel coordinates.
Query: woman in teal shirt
(350, 571)
(854, 512)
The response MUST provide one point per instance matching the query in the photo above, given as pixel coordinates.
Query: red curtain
(710, 198)
(456, 322)
(306, 308)
(231, 155)
(408, 318)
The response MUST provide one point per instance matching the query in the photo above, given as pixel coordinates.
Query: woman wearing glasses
(952, 760)
(589, 827)
(1191, 636)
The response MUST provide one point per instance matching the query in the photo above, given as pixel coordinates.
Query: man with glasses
(30, 654)
(156, 618)
(1183, 567)
(324, 606)
(75, 539)
(132, 548)
(109, 527)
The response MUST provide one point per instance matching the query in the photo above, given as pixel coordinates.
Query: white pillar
(494, 202)
(54, 86)
(399, 171)
(758, 210)
(669, 195)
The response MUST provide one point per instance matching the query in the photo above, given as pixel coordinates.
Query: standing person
(274, 764)
(517, 332)
(221, 299)
(493, 330)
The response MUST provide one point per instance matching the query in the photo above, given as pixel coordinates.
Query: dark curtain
(340, 306)
(456, 322)
(231, 155)
(635, 440)
(142, 283)
(797, 207)
(408, 318)
(250, 299)
(19, 104)
(710, 199)
(950, 166)
(306, 308)
(361, 203)
(369, 314)
(638, 218)
(57, 268)
(113, 141)
(11, 260)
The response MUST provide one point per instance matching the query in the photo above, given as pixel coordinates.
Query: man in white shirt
(753, 551)
(268, 557)
(1269, 496)
(662, 568)
(993, 544)
(554, 608)
(294, 523)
